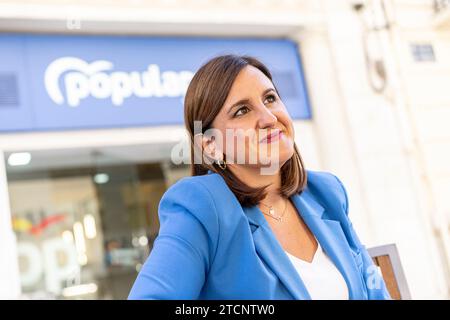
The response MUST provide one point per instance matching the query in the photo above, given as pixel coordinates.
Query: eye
(239, 113)
(271, 98)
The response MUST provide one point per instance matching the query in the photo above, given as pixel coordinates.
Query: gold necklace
(272, 212)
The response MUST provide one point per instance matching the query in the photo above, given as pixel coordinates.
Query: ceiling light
(19, 159)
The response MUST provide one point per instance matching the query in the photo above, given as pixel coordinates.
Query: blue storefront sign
(51, 82)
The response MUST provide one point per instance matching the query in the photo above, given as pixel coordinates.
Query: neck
(254, 178)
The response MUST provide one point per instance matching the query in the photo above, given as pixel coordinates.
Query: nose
(266, 118)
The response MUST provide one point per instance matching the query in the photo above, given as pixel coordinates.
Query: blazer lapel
(331, 237)
(270, 251)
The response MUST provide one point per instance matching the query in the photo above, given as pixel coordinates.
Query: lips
(274, 135)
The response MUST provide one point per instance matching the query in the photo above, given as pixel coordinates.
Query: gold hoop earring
(222, 164)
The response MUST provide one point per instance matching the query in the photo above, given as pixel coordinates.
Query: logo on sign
(97, 79)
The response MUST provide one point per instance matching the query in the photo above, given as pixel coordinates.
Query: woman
(251, 222)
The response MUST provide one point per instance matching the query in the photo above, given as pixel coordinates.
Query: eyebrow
(244, 101)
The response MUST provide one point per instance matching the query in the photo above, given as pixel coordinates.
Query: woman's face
(256, 129)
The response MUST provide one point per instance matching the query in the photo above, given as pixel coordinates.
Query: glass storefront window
(84, 228)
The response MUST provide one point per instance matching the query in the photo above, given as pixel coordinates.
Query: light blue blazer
(210, 247)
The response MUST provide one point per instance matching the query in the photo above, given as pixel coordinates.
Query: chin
(278, 162)
(285, 152)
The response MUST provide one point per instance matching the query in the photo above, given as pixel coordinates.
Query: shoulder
(200, 196)
(205, 181)
(196, 190)
(190, 186)
(323, 179)
(328, 188)
(192, 193)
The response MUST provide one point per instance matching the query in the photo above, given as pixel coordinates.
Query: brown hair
(205, 97)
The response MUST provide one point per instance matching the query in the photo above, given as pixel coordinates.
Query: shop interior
(85, 219)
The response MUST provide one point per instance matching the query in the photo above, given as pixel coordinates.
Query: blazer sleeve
(376, 287)
(182, 252)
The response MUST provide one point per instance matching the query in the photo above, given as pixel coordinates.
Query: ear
(208, 147)
(211, 148)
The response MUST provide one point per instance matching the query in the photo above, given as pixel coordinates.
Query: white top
(321, 277)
